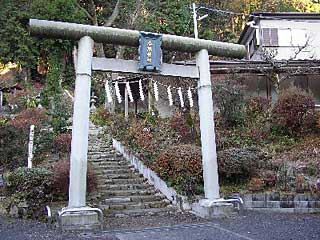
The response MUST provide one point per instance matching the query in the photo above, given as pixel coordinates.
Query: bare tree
(91, 13)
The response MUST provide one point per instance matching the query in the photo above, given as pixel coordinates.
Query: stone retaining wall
(283, 202)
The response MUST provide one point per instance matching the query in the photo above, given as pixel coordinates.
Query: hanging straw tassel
(141, 91)
(129, 92)
(116, 86)
(170, 96)
(180, 97)
(108, 92)
(190, 97)
(156, 92)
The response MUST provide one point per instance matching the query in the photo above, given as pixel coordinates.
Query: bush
(294, 113)
(61, 172)
(43, 139)
(229, 97)
(101, 117)
(27, 117)
(139, 137)
(239, 164)
(32, 187)
(13, 147)
(179, 124)
(62, 143)
(59, 114)
(181, 166)
(257, 107)
(257, 119)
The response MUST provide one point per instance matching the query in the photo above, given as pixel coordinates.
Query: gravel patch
(19, 229)
(169, 219)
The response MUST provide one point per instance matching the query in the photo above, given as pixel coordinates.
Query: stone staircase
(121, 190)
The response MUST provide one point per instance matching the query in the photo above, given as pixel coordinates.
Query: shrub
(32, 187)
(229, 97)
(257, 107)
(61, 172)
(59, 114)
(179, 124)
(27, 117)
(140, 136)
(62, 143)
(239, 164)
(101, 117)
(43, 139)
(256, 184)
(257, 118)
(13, 147)
(294, 112)
(119, 126)
(181, 166)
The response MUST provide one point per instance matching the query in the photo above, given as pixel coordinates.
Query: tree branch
(135, 14)
(114, 15)
(85, 11)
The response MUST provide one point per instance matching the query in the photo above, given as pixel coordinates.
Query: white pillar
(208, 144)
(80, 125)
(195, 21)
(30, 146)
(1, 100)
(126, 104)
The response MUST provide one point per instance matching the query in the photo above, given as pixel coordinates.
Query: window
(269, 37)
(283, 37)
(299, 37)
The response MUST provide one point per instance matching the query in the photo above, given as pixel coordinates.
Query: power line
(257, 15)
(225, 12)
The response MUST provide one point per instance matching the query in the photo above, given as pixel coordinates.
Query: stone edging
(178, 200)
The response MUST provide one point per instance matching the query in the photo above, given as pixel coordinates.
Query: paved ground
(250, 226)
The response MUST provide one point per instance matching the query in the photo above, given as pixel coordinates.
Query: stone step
(98, 150)
(123, 186)
(106, 159)
(110, 163)
(103, 151)
(134, 205)
(132, 198)
(116, 171)
(118, 176)
(122, 181)
(138, 212)
(105, 155)
(107, 170)
(98, 146)
(112, 167)
(123, 193)
(109, 200)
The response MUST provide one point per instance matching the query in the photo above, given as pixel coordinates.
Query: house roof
(254, 66)
(256, 16)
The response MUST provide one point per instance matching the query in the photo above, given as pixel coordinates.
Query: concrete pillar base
(210, 209)
(84, 218)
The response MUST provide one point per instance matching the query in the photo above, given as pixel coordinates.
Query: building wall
(292, 35)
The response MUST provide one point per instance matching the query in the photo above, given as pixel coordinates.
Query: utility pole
(196, 19)
(195, 22)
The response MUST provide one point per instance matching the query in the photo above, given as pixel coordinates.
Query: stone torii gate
(87, 34)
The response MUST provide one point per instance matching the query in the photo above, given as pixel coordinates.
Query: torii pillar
(209, 207)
